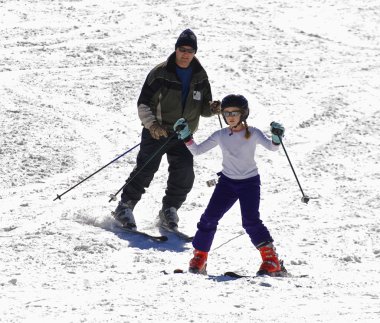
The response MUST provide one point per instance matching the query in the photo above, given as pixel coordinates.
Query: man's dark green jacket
(160, 98)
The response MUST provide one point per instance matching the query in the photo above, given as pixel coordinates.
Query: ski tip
(233, 274)
(178, 271)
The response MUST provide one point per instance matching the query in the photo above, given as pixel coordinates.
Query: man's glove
(157, 131)
(182, 128)
(277, 130)
(215, 107)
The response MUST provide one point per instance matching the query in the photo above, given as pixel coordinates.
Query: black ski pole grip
(180, 127)
(275, 131)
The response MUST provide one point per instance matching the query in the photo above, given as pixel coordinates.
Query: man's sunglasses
(231, 113)
(186, 50)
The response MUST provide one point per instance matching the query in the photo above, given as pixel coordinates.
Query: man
(176, 88)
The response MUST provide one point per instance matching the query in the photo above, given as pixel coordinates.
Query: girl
(239, 180)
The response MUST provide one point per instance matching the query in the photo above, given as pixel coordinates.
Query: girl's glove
(181, 127)
(277, 130)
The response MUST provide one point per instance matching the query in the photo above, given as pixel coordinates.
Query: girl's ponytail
(247, 132)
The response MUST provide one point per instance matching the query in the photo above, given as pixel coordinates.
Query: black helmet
(238, 101)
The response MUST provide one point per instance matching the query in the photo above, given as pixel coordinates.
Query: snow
(71, 72)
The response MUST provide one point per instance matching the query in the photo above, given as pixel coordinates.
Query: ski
(236, 275)
(161, 238)
(144, 234)
(178, 233)
(279, 274)
(261, 273)
(185, 271)
(182, 271)
(175, 271)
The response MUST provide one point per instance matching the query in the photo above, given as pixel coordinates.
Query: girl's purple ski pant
(226, 193)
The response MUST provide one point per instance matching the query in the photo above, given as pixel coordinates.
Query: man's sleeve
(144, 102)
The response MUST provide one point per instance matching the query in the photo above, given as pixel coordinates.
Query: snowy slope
(70, 74)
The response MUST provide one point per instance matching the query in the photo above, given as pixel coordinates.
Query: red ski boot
(198, 263)
(270, 266)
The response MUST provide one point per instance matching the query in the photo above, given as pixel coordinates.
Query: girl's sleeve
(198, 149)
(263, 140)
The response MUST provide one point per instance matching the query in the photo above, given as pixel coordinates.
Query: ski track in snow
(70, 75)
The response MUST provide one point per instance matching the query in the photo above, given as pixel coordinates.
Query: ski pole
(214, 104)
(228, 241)
(59, 196)
(304, 199)
(113, 196)
(220, 121)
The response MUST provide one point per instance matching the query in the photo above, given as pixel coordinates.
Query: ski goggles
(186, 50)
(231, 113)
